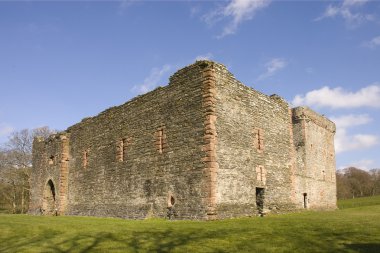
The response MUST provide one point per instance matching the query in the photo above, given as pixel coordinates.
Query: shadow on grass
(54, 241)
(364, 247)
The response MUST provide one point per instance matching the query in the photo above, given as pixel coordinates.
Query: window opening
(259, 139)
(261, 174)
(121, 150)
(85, 158)
(160, 140)
(305, 200)
(51, 160)
(260, 200)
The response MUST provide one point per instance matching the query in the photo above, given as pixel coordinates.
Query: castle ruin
(203, 147)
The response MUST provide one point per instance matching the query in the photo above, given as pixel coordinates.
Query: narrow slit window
(261, 174)
(85, 158)
(305, 200)
(160, 140)
(121, 150)
(259, 139)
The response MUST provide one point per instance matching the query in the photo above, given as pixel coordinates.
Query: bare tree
(375, 175)
(15, 167)
(353, 182)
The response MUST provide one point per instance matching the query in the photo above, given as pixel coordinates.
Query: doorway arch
(49, 203)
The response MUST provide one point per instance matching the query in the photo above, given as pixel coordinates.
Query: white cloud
(272, 67)
(207, 56)
(375, 42)
(364, 164)
(346, 11)
(351, 120)
(349, 3)
(237, 11)
(339, 98)
(151, 81)
(5, 129)
(344, 141)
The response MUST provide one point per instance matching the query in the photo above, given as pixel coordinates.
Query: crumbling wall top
(202, 64)
(305, 113)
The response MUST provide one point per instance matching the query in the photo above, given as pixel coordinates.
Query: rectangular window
(261, 174)
(160, 140)
(85, 158)
(260, 200)
(51, 160)
(259, 139)
(305, 200)
(121, 150)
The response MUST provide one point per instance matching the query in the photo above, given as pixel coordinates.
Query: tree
(342, 186)
(15, 168)
(353, 182)
(375, 175)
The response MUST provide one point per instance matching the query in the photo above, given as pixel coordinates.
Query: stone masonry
(203, 147)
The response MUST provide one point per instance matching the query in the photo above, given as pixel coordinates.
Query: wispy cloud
(346, 142)
(348, 11)
(125, 4)
(5, 129)
(236, 11)
(153, 79)
(207, 56)
(272, 67)
(364, 164)
(351, 120)
(309, 70)
(339, 98)
(375, 42)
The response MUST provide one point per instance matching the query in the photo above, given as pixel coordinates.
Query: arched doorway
(48, 203)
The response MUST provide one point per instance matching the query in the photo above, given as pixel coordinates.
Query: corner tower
(315, 159)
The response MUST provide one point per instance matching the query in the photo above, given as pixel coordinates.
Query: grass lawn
(353, 228)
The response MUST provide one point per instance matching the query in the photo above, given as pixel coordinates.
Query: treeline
(15, 169)
(353, 182)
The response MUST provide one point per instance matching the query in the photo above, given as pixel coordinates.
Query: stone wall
(315, 174)
(204, 147)
(149, 177)
(50, 162)
(254, 148)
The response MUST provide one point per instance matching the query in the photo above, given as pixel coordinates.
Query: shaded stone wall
(50, 162)
(254, 148)
(315, 174)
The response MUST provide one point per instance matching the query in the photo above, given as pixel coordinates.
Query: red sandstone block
(207, 148)
(209, 159)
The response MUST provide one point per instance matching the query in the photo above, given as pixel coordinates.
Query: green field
(353, 228)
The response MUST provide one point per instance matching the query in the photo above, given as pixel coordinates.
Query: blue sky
(61, 61)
